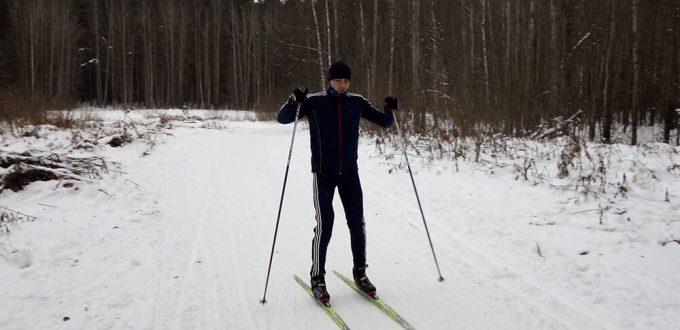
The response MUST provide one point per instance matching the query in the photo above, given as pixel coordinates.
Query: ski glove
(391, 103)
(299, 95)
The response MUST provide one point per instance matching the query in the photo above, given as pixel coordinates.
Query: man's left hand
(391, 103)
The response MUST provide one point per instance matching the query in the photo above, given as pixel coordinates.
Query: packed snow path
(181, 240)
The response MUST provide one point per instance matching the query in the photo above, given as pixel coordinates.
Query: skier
(334, 117)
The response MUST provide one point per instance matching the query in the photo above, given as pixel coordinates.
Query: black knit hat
(339, 70)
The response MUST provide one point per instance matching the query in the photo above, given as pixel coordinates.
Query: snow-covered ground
(180, 238)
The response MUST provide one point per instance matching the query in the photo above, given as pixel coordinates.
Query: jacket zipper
(339, 135)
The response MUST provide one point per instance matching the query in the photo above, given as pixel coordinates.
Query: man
(334, 117)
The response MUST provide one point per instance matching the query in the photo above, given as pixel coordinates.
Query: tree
(635, 104)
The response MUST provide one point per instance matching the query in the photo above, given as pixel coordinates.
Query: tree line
(504, 65)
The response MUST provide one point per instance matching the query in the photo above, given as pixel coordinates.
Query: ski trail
(462, 262)
(198, 297)
(225, 234)
(454, 215)
(542, 299)
(196, 292)
(187, 274)
(179, 249)
(226, 252)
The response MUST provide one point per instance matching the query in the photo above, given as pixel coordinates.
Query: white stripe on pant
(319, 227)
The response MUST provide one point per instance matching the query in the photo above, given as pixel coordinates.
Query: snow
(180, 238)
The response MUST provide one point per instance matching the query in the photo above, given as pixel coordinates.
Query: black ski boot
(319, 290)
(362, 282)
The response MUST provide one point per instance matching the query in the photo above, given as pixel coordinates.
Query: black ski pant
(349, 189)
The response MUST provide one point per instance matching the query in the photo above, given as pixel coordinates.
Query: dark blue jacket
(334, 127)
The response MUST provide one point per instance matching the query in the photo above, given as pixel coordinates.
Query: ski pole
(278, 217)
(403, 146)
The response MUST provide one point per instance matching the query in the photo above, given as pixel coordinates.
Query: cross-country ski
(377, 302)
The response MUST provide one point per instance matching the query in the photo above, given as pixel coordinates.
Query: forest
(457, 66)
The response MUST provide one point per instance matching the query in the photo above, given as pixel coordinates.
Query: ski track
(476, 268)
(459, 251)
(193, 247)
(201, 294)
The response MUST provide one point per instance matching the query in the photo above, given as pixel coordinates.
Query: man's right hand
(299, 95)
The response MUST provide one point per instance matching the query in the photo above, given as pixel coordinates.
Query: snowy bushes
(567, 156)
(593, 170)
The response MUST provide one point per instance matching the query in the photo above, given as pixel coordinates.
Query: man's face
(340, 85)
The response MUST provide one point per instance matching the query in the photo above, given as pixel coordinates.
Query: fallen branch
(135, 183)
(593, 210)
(59, 174)
(546, 130)
(8, 216)
(26, 167)
(538, 250)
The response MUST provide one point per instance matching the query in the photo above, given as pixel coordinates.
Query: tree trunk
(98, 57)
(217, 45)
(336, 29)
(199, 53)
(235, 65)
(373, 70)
(322, 67)
(555, 54)
(636, 73)
(124, 53)
(181, 34)
(606, 89)
(414, 43)
(472, 79)
(508, 72)
(393, 27)
(52, 16)
(328, 34)
(110, 57)
(32, 49)
(487, 90)
(435, 70)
